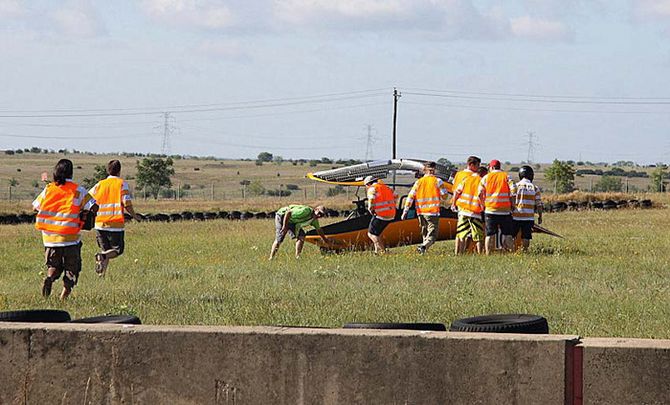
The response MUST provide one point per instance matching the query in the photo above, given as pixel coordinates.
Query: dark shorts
(377, 226)
(64, 260)
(279, 223)
(109, 240)
(526, 228)
(498, 222)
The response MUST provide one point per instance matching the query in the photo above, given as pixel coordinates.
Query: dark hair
(474, 160)
(63, 171)
(430, 165)
(114, 167)
(482, 171)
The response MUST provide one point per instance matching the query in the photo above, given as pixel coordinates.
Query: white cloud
(539, 29)
(651, 9)
(222, 49)
(78, 19)
(208, 14)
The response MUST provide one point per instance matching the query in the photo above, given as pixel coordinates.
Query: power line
(230, 107)
(539, 100)
(537, 95)
(475, 107)
(531, 148)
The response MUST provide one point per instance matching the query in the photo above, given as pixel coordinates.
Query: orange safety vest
(383, 204)
(427, 196)
(497, 192)
(58, 214)
(469, 199)
(108, 195)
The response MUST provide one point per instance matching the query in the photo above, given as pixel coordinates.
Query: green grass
(608, 277)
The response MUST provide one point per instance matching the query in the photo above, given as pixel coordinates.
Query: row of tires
(500, 323)
(58, 316)
(597, 205)
(15, 219)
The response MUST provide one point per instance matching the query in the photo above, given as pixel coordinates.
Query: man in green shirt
(292, 219)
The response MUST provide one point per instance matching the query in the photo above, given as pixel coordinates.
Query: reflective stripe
(59, 223)
(427, 199)
(114, 205)
(58, 214)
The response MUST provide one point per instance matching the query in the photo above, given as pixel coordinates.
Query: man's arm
(322, 235)
(287, 218)
(409, 201)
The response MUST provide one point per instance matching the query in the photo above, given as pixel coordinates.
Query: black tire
(122, 319)
(406, 326)
(35, 315)
(502, 323)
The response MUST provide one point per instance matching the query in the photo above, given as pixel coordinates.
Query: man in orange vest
(60, 208)
(466, 200)
(381, 204)
(498, 192)
(464, 207)
(113, 197)
(427, 192)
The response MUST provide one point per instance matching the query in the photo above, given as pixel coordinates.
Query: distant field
(215, 185)
(608, 277)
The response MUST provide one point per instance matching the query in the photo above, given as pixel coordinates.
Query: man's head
(482, 171)
(473, 163)
(495, 164)
(319, 211)
(369, 180)
(63, 171)
(114, 168)
(429, 167)
(526, 172)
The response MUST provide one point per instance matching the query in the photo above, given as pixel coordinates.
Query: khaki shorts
(64, 260)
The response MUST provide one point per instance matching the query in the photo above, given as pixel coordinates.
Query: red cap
(494, 163)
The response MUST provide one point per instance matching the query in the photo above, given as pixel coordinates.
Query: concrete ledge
(267, 365)
(626, 371)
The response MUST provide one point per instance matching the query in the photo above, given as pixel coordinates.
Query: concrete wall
(626, 371)
(95, 364)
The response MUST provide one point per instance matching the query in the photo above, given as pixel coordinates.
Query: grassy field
(608, 277)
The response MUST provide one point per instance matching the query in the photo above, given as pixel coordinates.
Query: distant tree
(99, 173)
(562, 175)
(12, 183)
(313, 163)
(154, 173)
(609, 184)
(446, 162)
(259, 162)
(265, 157)
(256, 188)
(326, 160)
(278, 160)
(657, 177)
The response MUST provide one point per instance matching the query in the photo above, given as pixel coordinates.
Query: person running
(113, 197)
(381, 204)
(292, 219)
(427, 192)
(470, 171)
(469, 226)
(61, 207)
(528, 202)
(498, 191)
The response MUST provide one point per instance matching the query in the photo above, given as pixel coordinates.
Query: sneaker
(421, 249)
(101, 263)
(46, 287)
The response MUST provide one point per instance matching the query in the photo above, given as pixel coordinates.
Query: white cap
(368, 179)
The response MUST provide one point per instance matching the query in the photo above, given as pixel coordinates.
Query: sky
(568, 79)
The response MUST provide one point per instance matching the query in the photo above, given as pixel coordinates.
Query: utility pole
(396, 96)
(531, 148)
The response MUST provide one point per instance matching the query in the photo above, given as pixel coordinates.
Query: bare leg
(65, 293)
(298, 246)
(479, 246)
(457, 246)
(490, 244)
(378, 242)
(273, 250)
